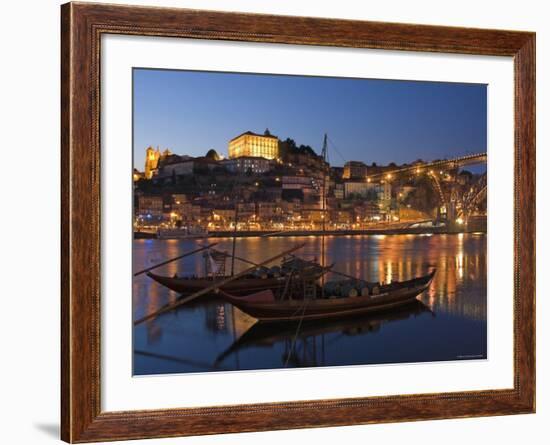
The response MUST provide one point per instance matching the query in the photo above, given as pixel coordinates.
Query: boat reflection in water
(304, 342)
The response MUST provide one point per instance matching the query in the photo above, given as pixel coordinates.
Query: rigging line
(306, 301)
(196, 364)
(287, 283)
(300, 309)
(336, 149)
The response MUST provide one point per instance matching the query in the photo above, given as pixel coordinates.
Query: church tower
(152, 157)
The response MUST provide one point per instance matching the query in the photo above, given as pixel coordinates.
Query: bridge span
(442, 164)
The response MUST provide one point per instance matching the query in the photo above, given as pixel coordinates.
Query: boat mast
(324, 155)
(234, 238)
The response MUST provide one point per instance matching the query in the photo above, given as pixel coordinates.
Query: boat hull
(237, 287)
(266, 311)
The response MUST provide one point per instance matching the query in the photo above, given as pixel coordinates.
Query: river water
(449, 322)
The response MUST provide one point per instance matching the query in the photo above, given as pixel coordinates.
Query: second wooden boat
(274, 279)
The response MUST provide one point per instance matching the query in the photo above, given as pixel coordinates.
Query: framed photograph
(274, 222)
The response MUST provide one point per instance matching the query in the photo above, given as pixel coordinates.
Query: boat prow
(189, 285)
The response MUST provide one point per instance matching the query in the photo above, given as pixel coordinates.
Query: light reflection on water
(211, 335)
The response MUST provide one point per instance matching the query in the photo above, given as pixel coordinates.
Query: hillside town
(269, 184)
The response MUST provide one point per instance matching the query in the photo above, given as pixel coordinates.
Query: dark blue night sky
(368, 120)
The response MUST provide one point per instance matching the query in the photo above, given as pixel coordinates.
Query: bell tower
(152, 157)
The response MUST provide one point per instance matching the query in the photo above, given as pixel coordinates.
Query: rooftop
(266, 134)
(259, 158)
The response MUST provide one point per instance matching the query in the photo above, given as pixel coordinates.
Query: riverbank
(377, 231)
(287, 233)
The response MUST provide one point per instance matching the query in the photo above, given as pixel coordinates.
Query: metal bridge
(455, 201)
(438, 165)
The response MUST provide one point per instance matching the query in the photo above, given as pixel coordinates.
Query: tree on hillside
(289, 147)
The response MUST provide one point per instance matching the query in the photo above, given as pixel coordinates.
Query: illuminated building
(152, 159)
(340, 216)
(367, 211)
(355, 170)
(254, 145)
(245, 164)
(384, 193)
(301, 187)
(268, 211)
(137, 175)
(339, 191)
(360, 189)
(150, 207)
(297, 182)
(246, 210)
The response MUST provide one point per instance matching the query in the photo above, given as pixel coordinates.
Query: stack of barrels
(351, 288)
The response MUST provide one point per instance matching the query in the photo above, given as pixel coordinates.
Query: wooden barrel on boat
(349, 290)
(333, 289)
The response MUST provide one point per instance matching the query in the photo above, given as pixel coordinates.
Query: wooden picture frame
(82, 26)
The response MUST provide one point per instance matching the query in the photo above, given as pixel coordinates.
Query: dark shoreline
(249, 234)
(404, 231)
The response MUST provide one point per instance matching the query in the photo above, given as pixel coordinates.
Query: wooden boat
(245, 285)
(266, 308)
(262, 279)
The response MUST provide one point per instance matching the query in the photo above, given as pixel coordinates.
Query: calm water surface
(449, 323)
